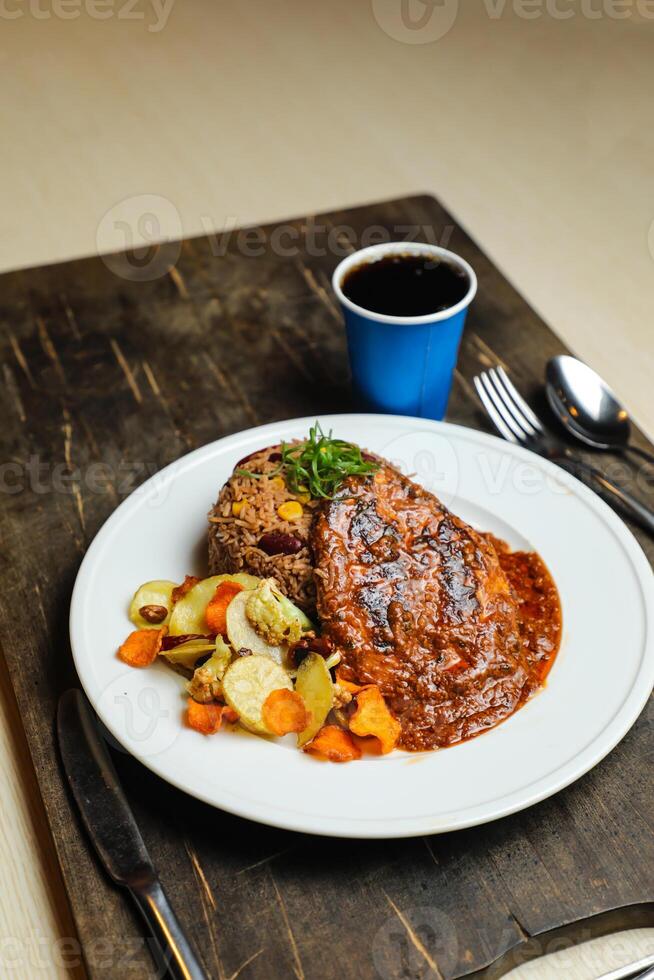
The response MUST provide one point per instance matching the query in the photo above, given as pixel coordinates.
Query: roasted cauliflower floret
(205, 685)
(275, 618)
(341, 697)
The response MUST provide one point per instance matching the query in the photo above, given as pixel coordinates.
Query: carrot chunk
(180, 590)
(216, 612)
(372, 717)
(368, 744)
(229, 714)
(141, 647)
(284, 711)
(335, 744)
(204, 718)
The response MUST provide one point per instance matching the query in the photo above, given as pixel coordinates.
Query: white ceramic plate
(596, 689)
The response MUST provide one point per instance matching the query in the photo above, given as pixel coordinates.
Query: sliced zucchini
(188, 614)
(314, 684)
(187, 654)
(247, 684)
(241, 632)
(153, 594)
(292, 610)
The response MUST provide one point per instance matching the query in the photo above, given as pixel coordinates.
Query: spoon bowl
(585, 405)
(588, 408)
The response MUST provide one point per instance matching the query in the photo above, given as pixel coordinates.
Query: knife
(115, 835)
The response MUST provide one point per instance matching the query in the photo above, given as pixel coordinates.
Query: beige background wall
(533, 127)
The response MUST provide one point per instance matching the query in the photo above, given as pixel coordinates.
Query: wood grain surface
(108, 379)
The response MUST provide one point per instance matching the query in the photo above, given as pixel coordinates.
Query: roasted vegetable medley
(252, 658)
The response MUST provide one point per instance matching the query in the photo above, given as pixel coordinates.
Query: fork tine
(514, 410)
(489, 404)
(519, 400)
(506, 414)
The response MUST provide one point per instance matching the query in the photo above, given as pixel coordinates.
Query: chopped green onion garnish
(318, 465)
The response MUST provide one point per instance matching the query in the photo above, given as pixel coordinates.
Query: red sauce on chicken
(455, 629)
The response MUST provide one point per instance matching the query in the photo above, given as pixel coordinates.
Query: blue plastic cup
(403, 365)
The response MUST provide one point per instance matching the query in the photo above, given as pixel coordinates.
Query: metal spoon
(587, 407)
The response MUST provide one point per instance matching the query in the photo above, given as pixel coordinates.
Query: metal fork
(516, 421)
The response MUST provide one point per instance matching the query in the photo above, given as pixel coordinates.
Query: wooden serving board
(107, 379)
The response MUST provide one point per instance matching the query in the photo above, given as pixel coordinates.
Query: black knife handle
(615, 495)
(171, 948)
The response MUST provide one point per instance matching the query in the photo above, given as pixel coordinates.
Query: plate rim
(398, 827)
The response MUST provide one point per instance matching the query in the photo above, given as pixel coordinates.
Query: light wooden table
(534, 128)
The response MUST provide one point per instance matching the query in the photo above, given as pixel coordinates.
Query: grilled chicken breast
(417, 602)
